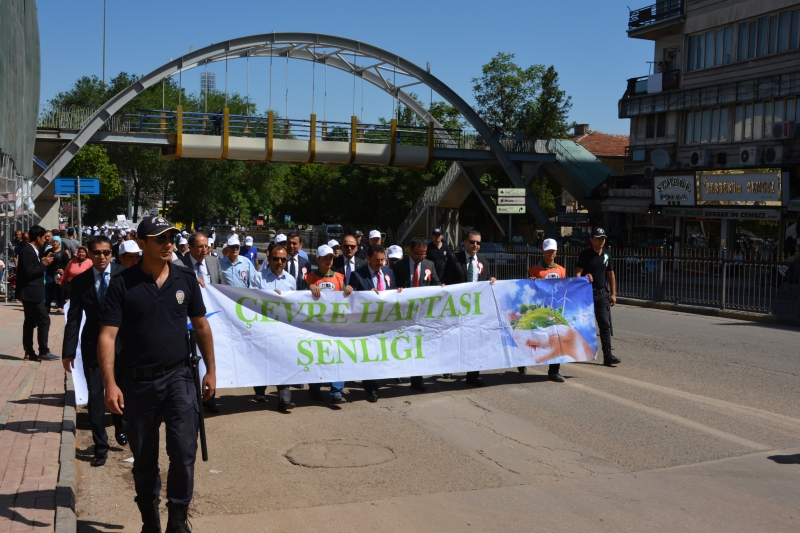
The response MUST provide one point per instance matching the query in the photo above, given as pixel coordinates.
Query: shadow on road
(87, 526)
(786, 459)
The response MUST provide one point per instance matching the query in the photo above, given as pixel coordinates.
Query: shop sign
(720, 214)
(674, 190)
(728, 187)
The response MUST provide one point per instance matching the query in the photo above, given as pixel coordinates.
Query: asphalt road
(697, 430)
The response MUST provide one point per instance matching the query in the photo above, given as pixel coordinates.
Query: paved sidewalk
(31, 410)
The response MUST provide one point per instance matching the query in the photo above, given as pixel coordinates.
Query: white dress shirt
(476, 272)
(203, 271)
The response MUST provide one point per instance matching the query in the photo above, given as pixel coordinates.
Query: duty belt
(148, 373)
(599, 291)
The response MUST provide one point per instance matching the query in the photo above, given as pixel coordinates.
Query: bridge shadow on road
(786, 459)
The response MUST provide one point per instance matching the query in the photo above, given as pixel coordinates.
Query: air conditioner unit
(649, 171)
(699, 158)
(783, 130)
(747, 156)
(773, 155)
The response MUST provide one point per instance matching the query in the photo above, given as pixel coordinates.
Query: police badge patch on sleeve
(179, 296)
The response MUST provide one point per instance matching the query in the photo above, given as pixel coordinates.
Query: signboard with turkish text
(738, 187)
(674, 190)
(510, 192)
(723, 213)
(510, 209)
(511, 200)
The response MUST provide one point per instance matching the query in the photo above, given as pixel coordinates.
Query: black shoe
(372, 397)
(447, 376)
(283, 407)
(178, 519)
(99, 460)
(476, 382)
(34, 358)
(49, 357)
(316, 395)
(122, 438)
(211, 407)
(261, 398)
(558, 378)
(522, 369)
(419, 386)
(611, 359)
(300, 386)
(151, 521)
(338, 399)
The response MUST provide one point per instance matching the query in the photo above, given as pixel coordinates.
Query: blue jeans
(337, 387)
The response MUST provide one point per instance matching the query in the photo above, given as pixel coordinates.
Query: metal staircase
(431, 197)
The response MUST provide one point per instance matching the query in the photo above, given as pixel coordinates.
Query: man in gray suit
(208, 270)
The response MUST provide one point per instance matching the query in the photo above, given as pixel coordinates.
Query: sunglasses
(279, 259)
(349, 245)
(161, 239)
(473, 241)
(97, 253)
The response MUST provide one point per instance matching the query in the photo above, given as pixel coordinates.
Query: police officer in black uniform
(596, 264)
(149, 379)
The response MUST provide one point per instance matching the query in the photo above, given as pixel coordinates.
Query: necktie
(470, 270)
(103, 288)
(292, 269)
(198, 271)
(379, 284)
(416, 275)
(347, 270)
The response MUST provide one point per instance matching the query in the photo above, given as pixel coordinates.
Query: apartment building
(715, 124)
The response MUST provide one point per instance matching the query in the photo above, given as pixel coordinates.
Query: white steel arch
(336, 52)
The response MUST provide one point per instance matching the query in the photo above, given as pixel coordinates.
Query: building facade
(714, 125)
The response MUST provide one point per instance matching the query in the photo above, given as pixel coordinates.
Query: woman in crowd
(53, 275)
(77, 265)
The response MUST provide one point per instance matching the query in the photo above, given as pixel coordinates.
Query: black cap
(358, 232)
(152, 226)
(437, 231)
(599, 232)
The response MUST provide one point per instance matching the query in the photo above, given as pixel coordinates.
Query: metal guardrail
(655, 13)
(694, 278)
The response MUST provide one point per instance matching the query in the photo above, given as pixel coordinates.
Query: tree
(92, 161)
(546, 116)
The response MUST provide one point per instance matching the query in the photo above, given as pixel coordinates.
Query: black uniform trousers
(36, 316)
(97, 408)
(284, 392)
(602, 312)
(172, 398)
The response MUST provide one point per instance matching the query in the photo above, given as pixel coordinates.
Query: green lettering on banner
(305, 352)
(396, 311)
(431, 304)
(240, 311)
(413, 304)
(367, 312)
(323, 350)
(289, 314)
(465, 303)
(451, 306)
(418, 338)
(266, 307)
(365, 353)
(351, 354)
(336, 314)
(477, 304)
(407, 351)
(311, 314)
(384, 355)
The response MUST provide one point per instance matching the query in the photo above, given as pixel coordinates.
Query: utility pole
(104, 41)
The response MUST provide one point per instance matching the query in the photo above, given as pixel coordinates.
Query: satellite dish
(660, 158)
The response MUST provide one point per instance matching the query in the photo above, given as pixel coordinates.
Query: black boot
(178, 520)
(151, 521)
(610, 359)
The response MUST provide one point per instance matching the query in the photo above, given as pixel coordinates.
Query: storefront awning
(627, 205)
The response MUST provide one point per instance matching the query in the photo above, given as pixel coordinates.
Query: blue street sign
(287, 218)
(68, 186)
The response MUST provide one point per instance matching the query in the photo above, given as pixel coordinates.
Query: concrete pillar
(46, 212)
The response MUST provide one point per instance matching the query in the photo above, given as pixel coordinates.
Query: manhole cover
(339, 454)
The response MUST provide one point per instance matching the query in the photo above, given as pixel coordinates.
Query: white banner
(263, 338)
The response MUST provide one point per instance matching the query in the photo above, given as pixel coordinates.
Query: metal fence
(745, 283)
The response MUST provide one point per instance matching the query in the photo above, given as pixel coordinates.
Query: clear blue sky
(584, 39)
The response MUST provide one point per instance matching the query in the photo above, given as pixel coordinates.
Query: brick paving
(31, 410)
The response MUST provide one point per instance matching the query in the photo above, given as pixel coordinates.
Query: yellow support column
(313, 139)
(393, 141)
(226, 131)
(353, 140)
(270, 124)
(179, 132)
(163, 122)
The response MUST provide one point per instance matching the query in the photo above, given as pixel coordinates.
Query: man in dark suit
(416, 271)
(88, 294)
(467, 266)
(373, 277)
(30, 291)
(348, 262)
(296, 265)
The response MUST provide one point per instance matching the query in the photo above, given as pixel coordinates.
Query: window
(758, 120)
(790, 109)
(779, 111)
(738, 123)
(795, 31)
(768, 119)
(698, 117)
(723, 125)
(708, 125)
(751, 39)
(741, 53)
(692, 52)
(748, 122)
(656, 126)
(715, 125)
(709, 49)
(783, 32)
(727, 44)
(688, 122)
(773, 35)
(705, 127)
(761, 46)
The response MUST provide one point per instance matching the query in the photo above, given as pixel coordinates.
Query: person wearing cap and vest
(373, 277)
(147, 377)
(296, 265)
(348, 262)
(316, 281)
(249, 251)
(438, 252)
(548, 269)
(236, 270)
(596, 264)
(361, 250)
(416, 271)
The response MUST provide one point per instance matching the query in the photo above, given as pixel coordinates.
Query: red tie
(380, 280)
(416, 275)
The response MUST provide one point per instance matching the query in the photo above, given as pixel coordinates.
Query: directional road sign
(511, 200)
(68, 186)
(510, 209)
(510, 192)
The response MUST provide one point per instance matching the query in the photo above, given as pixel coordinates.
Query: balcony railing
(654, 14)
(670, 80)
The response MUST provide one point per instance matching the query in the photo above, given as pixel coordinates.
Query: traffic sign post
(510, 209)
(511, 200)
(511, 192)
(72, 186)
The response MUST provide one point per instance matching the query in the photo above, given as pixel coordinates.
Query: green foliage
(546, 116)
(503, 91)
(92, 161)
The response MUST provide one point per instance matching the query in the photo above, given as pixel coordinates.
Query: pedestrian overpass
(183, 134)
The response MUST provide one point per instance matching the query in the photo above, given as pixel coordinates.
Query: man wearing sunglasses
(466, 266)
(147, 377)
(348, 261)
(88, 295)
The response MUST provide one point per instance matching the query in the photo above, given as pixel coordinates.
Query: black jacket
(83, 299)
(338, 263)
(361, 279)
(30, 275)
(455, 270)
(403, 272)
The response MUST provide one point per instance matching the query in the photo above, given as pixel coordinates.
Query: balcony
(655, 83)
(658, 20)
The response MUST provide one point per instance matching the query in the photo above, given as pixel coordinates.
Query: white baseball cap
(129, 247)
(333, 242)
(395, 252)
(549, 244)
(184, 233)
(248, 240)
(233, 241)
(182, 241)
(280, 237)
(324, 250)
(374, 234)
(210, 241)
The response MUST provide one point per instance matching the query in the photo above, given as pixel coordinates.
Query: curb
(67, 487)
(709, 311)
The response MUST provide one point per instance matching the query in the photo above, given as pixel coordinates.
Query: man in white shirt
(205, 266)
